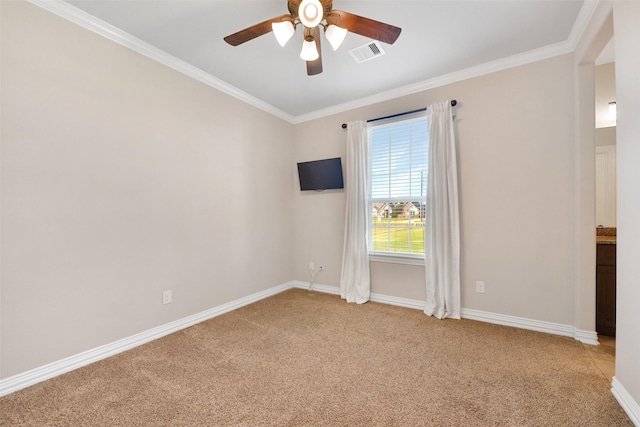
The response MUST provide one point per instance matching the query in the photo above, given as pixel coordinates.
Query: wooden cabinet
(606, 290)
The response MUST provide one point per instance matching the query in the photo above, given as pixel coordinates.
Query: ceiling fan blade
(364, 26)
(315, 67)
(254, 31)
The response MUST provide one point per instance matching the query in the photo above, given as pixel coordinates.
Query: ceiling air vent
(366, 52)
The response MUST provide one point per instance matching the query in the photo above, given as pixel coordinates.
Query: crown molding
(456, 76)
(580, 25)
(85, 20)
(91, 23)
(561, 48)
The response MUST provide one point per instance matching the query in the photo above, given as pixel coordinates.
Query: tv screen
(320, 174)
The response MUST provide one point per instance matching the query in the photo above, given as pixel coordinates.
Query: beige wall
(515, 145)
(118, 175)
(627, 33)
(122, 178)
(605, 93)
(606, 136)
(616, 19)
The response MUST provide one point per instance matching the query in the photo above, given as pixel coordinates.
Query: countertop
(606, 235)
(606, 240)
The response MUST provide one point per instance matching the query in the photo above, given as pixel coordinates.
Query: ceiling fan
(312, 14)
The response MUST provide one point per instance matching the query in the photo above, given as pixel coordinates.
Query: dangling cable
(312, 273)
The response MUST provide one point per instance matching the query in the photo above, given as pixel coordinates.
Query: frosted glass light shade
(283, 31)
(335, 35)
(309, 51)
(613, 110)
(310, 13)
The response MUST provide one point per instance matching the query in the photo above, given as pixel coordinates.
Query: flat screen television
(320, 175)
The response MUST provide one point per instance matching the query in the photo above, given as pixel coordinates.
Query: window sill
(397, 259)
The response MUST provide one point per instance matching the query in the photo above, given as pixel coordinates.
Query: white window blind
(398, 166)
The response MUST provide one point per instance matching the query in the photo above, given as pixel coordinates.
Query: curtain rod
(453, 104)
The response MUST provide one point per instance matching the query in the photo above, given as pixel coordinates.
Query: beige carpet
(304, 358)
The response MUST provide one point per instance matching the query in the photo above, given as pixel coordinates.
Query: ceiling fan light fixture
(335, 35)
(313, 14)
(309, 51)
(310, 13)
(283, 31)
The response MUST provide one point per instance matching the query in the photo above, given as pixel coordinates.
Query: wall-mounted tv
(320, 174)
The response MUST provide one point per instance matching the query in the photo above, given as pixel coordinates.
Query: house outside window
(398, 166)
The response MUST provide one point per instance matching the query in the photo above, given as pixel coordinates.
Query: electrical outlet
(480, 287)
(312, 266)
(166, 297)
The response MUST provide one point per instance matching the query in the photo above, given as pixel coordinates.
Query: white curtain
(355, 285)
(442, 228)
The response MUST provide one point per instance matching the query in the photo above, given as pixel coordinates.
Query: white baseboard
(384, 299)
(34, 376)
(400, 302)
(318, 287)
(630, 406)
(587, 337)
(518, 322)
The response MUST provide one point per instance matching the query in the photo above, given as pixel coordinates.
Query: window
(398, 165)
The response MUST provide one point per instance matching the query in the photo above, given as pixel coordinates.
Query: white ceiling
(439, 39)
